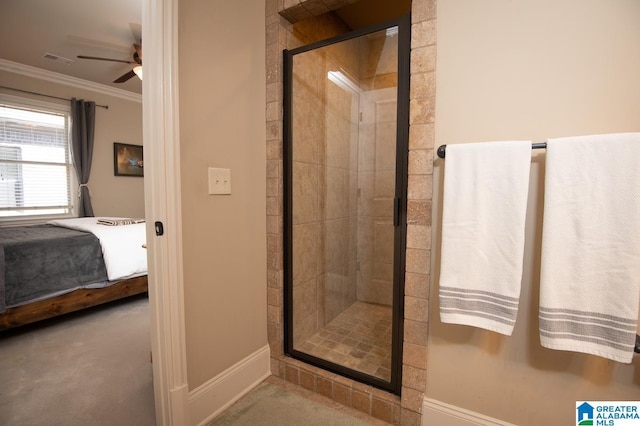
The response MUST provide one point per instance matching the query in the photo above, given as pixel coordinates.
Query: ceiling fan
(137, 60)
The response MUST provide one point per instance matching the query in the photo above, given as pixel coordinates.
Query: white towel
(590, 270)
(485, 199)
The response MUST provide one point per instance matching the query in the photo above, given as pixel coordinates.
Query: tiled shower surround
(308, 21)
(343, 179)
(358, 338)
(324, 191)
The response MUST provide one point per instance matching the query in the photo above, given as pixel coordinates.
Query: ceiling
(68, 28)
(364, 13)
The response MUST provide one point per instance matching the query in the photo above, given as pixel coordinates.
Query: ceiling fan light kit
(138, 70)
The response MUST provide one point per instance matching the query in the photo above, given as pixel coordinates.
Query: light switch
(219, 181)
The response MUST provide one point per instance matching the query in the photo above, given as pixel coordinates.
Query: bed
(67, 265)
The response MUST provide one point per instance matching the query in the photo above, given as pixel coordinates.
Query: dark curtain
(83, 115)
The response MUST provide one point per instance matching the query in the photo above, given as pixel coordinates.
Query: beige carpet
(92, 368)
(278, 403)
(88, 368)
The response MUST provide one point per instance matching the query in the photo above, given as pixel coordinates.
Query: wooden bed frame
(71, 302)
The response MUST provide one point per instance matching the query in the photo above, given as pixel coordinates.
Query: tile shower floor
(358, 338)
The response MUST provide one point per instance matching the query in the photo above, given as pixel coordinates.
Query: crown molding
(54, 77)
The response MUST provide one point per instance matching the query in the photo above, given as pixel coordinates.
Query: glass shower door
(345, 178)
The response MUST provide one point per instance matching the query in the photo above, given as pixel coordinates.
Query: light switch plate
(219, 181)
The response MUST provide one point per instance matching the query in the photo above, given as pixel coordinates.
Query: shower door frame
(400, 204)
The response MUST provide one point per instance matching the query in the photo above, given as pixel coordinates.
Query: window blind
(35, 162)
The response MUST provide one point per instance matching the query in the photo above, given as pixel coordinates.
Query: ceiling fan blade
(106, 59)
(136, 30)
(125, 77)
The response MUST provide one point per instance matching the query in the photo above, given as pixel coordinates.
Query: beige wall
(528, 70)
(122, 122)
(222, 124)
(377, 167)
(376, 183)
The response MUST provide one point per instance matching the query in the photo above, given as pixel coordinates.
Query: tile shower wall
(344, 176)
(324, 189)
(377, 403)
(307, 188)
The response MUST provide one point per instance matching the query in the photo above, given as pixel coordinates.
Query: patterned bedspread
(40, 261)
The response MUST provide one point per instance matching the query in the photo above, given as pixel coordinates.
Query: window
(36, 174)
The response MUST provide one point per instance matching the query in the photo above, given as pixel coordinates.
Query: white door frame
(163, 204)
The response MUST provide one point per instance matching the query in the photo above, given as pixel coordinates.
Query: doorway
(345, 166)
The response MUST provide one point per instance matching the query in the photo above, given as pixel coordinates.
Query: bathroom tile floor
(358, 338)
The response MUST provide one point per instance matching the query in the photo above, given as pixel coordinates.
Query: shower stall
(345, 168)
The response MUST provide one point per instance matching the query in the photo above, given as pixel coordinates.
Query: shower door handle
(396, 211)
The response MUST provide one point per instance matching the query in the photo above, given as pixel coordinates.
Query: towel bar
(636, 349)
(537, 145)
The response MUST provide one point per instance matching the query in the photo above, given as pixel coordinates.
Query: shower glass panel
(345, 167)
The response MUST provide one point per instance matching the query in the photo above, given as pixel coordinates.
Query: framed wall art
(127, 160)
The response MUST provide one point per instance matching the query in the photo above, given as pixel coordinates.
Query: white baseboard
(437, 413)
(214, 396)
